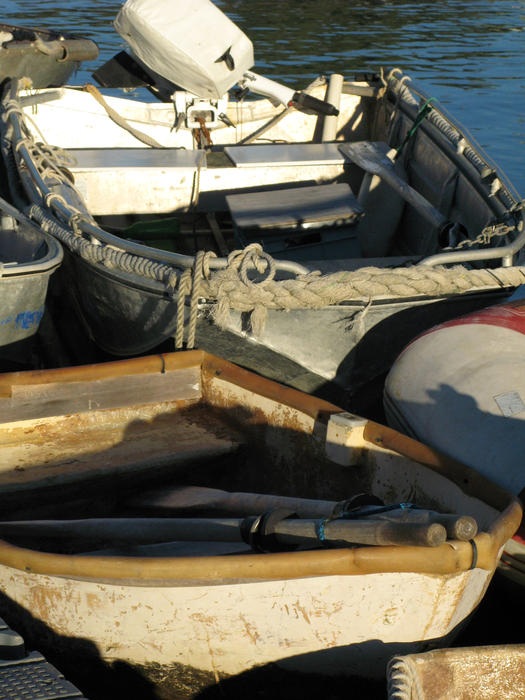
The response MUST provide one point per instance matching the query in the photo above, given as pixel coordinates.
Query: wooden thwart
(29, 401)
(295, 208)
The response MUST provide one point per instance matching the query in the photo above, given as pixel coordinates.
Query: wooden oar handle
(195, 499)
(458, 527)
(367, 532)
(286, 531)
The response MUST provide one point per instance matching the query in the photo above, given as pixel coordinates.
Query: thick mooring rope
(234, 291)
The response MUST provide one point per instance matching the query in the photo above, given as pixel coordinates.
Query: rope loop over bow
(254, 257)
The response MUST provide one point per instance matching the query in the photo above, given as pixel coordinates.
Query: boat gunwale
(465, 165)
(134, 281)
(453, 557)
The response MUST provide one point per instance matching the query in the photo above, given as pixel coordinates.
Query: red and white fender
(460, 387)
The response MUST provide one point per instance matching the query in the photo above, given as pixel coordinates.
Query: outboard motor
(191, 44)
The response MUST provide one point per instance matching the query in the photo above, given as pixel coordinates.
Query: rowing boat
(134, 545)
(28, 258)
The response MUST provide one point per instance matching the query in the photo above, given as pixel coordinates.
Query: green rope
(422, 113)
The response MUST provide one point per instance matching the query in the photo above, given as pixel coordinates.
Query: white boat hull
(336, 625)
(76, 440)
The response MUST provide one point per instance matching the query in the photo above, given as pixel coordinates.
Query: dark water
(468, 54)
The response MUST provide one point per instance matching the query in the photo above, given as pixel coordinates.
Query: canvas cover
(184, 42)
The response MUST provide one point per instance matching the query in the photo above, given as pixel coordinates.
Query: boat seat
(119, 158)
(116, 181)
(285, 154)
(326, 213)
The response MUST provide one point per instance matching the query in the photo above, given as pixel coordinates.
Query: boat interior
(397, 184)
(204, 436)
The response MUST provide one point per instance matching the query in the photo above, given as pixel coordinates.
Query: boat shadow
(95, 679)
(453, 423)
(358, 382)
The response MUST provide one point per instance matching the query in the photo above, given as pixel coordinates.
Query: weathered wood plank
(29, 401)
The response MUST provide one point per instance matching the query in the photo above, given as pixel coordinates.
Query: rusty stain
(251, 631)
(437, 603)
(94, 601)
(301, 609)
(204, 619)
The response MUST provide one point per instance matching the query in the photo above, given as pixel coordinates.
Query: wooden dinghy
(298, 239)
(486, 673)
(147, 519)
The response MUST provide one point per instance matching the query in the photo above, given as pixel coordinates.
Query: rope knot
(252, 257)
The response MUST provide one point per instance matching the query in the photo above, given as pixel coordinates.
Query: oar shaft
(195, 499)
(128, 530)
(289, 531)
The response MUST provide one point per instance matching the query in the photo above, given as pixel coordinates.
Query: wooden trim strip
(312, 406)
(84, 373)
(449, 558)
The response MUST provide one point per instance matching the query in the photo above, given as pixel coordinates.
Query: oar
(372, 158)
(195, 499)
(458, 527)
(293, 531)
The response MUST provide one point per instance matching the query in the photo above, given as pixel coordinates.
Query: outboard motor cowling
(190, 43)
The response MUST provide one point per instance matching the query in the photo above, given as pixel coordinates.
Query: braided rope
(313, 291)
(184, 290)
(195, 293)
(120, 121)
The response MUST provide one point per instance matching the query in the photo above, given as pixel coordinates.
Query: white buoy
(460, 387)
